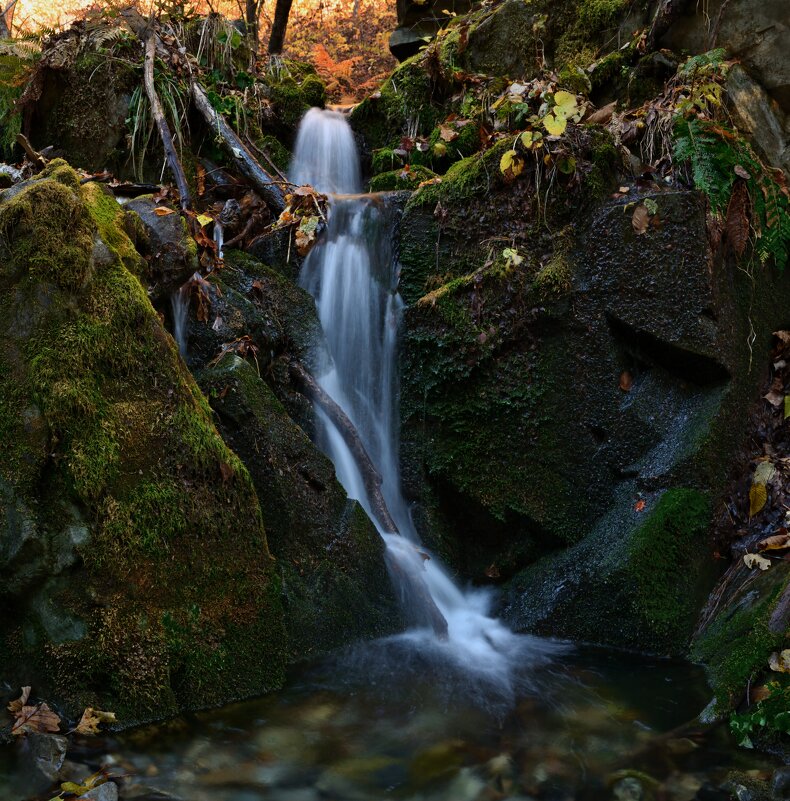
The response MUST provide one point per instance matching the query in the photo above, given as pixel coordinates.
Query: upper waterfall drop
(325, 155)
(353, 275)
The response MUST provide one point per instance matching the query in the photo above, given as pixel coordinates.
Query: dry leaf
(15, 707)
(91, 720)
(602, 115)
(780, 662)
(163, 211)
(447, 133)
(39, 719)
(752, 560)
(758, 495)
(777, 542)
(640, 219)
(764, 473)
(626, 381)
(639, 506)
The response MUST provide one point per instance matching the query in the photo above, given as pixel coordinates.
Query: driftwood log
(157, 112)
(308, 386)
(247, 165)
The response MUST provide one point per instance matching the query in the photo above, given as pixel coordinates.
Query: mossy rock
(631, 583)
(162, 595)
(400, 179)
(751, 622)
(329, 555)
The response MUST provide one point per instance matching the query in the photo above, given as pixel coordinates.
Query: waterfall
(353, 277)
(179, 305)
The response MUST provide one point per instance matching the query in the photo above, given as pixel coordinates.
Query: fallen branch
(372, 480)
(161, 123)
(245, 161)
(370, 476)
(33, 156)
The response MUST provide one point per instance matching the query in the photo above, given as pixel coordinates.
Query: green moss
(400, 179)
(276, 151)
(408, 93)
(59, 252)
(660, 575)
(118, 425)
(735, 647)
(313, 91)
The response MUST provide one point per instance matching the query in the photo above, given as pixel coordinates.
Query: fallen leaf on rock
(758, 495)
(492, 571)
(764, 472)
(39, 719)
(752, 560)
(640, 219)
(602, 115)
(163, 211)
(15, 707)
(778, 542)
(626, 381)
(779, 662)
(93, 718)
(639, 506)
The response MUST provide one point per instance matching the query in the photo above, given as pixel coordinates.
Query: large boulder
(570, 409)
(137, 576)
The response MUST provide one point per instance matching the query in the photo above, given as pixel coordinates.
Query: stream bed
(385, 721)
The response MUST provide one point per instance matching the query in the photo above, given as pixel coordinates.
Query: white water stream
(353, 277)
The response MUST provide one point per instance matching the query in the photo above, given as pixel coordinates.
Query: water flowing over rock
(353, 275)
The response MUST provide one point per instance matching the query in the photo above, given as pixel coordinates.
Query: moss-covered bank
(148, 586)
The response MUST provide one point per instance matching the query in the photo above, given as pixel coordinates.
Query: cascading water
(179, 305)
(353, 277)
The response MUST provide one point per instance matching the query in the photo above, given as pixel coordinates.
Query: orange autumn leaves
(39, 718)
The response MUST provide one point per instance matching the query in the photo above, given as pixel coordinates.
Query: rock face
(583, 403)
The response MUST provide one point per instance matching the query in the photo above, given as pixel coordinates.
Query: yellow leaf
(203, 220)
(787, 406)
(555, 125)
(511, 164)
(752, 560)
(91, 720)
(532, 140)
(758, 495)
(566, 104)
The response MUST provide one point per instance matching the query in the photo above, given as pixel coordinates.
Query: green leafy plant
(767, 718)
(718, 157)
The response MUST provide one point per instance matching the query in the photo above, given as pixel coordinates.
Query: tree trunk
(247, 164)
(6, 18)
(161, 123)
(281, 13)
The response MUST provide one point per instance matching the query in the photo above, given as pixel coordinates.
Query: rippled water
(382, 722)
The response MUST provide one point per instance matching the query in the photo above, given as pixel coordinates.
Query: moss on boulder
(163, 594)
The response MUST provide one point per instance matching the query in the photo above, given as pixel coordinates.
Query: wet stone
(780, 785)
(104, 792)
(43, 756)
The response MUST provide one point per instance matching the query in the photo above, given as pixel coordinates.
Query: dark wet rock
(104, 792)
(753, 31)
(755, 112)
(250, 299)
(583, 404)
(329, 555)
(42, 756)
(165, 243)
(780, 784)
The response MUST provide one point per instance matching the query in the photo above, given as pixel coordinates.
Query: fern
(717, 156)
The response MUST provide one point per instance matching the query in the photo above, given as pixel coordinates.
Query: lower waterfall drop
(352, 274)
